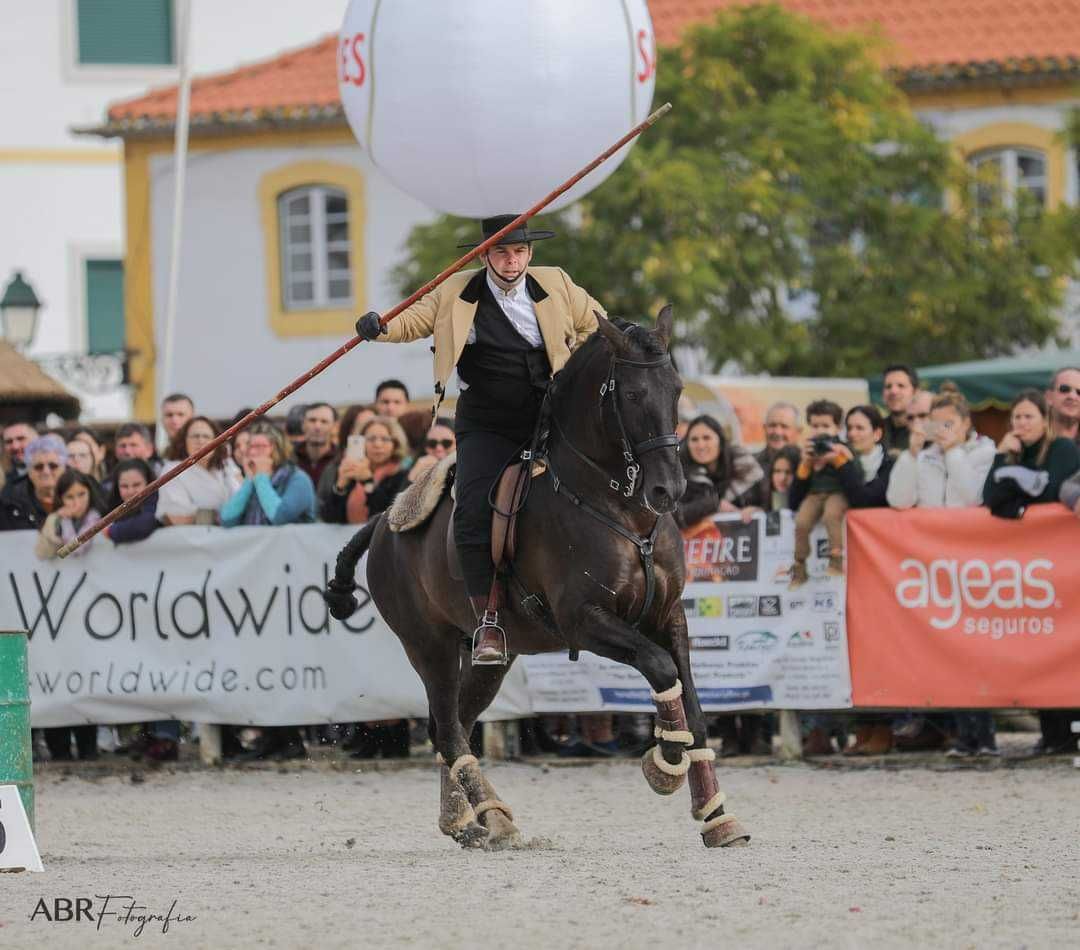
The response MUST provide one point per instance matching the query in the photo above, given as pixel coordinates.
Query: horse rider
(507, 328)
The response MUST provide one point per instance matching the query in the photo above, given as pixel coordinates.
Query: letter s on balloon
(353, 68)
(648, 56)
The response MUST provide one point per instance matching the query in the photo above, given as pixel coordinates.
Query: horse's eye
(634, 395)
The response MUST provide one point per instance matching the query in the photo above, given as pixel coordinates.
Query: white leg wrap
(465, 760)
(668, 694)
(666, 767)
(701, 755)
(710, 806)
(716, 823)
(674, 735)
(497, 805)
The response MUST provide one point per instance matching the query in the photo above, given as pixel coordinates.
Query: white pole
(183, 110)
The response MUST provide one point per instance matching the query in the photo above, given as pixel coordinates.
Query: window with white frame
(315, 251)
(1013, 170)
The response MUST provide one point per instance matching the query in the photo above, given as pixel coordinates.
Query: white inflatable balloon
(482, 107)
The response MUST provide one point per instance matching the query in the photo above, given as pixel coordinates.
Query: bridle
(627, 487)
(631, 452)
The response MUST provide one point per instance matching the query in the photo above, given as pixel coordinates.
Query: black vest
(506, 376)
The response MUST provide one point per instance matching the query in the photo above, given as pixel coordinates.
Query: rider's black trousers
(480, 457)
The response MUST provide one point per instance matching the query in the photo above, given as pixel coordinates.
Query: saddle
(506, 497)
(417, 503)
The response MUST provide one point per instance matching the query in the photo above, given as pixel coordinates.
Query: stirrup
(490, 621)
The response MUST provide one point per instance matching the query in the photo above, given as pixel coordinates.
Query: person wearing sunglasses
(26, 502)
(439, 442)
(1063, 398)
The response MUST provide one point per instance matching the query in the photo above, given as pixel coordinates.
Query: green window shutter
(105, 306)
(125, 32)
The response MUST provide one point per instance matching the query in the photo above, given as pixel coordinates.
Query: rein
(625, 489)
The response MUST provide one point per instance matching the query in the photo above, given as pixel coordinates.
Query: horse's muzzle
(659, 500)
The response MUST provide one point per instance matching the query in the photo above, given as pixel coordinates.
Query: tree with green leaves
(800, 217)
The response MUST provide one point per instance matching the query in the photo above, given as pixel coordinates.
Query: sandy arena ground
(308, 857)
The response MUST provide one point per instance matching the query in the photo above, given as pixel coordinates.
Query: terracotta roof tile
(303, 79)
(926, 38)
(923, 33)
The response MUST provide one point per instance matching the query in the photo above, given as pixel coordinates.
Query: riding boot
(489, 638)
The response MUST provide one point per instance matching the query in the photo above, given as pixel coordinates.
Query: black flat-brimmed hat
(521, 235)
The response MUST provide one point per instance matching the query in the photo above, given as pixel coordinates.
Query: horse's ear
(610, 332)
(664, 324)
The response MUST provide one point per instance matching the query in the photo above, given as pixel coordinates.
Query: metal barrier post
(790, 735)
(16, 752)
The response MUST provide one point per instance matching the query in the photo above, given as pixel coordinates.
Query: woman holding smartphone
(369, 475)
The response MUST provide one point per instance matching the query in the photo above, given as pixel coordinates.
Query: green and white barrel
(16, 752)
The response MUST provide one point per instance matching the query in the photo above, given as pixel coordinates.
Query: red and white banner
(951, 608)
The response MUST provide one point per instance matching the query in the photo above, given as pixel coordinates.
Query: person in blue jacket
(275, 491)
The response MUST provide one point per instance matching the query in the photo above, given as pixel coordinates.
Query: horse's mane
(644, 342)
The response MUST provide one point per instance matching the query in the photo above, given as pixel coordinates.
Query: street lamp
(19, 312)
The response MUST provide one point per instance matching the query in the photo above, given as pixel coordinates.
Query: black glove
(368, 326)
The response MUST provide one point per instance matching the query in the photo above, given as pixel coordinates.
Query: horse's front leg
(719, 829)
(600, 631)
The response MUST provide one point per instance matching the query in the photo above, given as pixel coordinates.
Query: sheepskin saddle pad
(418, 502)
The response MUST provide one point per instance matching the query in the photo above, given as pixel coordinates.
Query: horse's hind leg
(479, 685)
(719, 829)
(437, 661)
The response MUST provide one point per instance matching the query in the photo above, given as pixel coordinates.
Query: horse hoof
(659, 781)
(730, 834)
(471, 835)
(502, 832)
(504, 841)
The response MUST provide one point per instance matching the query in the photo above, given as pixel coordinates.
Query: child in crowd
(825, 499)
(76, 506)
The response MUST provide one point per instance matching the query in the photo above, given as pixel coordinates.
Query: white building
(62, 195)
(289, 232)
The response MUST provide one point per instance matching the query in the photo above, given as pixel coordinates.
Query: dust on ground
(937, 854)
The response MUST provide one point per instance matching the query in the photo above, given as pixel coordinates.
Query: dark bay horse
(599, 544)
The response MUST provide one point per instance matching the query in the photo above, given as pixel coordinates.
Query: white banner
(229, 626)
(207, 625)
(753, 643)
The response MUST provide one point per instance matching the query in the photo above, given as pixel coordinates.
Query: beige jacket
(564, 313)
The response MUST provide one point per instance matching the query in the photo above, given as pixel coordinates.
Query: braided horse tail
(339, 590)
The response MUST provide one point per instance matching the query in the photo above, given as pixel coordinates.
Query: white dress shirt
(519, 310)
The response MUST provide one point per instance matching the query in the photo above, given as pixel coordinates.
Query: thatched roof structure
(26, 392)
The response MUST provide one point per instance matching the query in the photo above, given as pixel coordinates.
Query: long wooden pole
(132, 503)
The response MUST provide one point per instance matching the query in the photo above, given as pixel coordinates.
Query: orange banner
(957, 608)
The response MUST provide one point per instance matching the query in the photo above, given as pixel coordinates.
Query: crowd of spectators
(344, 469)
(340, 471)
(924, 452)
